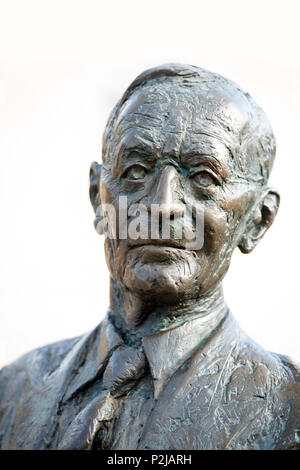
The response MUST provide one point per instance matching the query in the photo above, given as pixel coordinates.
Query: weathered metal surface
(169, 367)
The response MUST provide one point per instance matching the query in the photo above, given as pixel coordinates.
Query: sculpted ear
(95, 172)
(260, 220)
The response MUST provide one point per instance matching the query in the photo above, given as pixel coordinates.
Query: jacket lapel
(218, 400)
(54, 392)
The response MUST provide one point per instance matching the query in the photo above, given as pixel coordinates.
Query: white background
(63, 66)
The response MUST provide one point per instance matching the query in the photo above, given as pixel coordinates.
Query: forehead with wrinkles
(170, 116)
(178, 115)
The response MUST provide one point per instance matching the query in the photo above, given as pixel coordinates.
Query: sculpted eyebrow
(147, 152)
(209, 160)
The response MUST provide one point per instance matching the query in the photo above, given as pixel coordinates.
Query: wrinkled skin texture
(169, 367)
(179, 145)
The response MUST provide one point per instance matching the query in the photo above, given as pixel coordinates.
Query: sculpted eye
(204, 179)
(135, 173)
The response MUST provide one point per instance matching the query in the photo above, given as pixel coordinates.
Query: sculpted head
(182, 136)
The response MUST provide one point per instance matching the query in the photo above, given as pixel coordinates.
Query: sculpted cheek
(215, 229)
(225, 218)
(237, 207)
(107, 190)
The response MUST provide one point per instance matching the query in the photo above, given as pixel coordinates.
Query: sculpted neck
(140, 317)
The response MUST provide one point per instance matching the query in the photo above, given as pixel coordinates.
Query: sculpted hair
(256, 140)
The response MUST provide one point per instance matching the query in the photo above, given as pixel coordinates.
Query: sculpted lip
(161, 247)
(159, 252)
(160, 243)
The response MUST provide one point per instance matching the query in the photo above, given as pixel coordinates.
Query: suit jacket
(96, 391)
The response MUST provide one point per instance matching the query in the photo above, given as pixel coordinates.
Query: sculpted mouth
(159, 243)
(160, 251)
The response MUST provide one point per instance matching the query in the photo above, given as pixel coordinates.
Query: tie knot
(124, 368)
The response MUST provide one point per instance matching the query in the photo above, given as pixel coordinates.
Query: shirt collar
(169, 350)
(166, 351)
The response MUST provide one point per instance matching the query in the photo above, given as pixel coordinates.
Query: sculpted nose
(167, 191)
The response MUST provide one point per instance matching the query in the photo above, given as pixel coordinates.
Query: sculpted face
(180, 145)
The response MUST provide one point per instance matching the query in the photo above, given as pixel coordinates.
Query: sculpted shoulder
(19, 380)
(291, 364)
(289, 390)
(38, 362)
(32, 389)
(33, 366)
(265, 387)
(267, 372)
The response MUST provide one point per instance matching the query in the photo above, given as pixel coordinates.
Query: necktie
(124, 368)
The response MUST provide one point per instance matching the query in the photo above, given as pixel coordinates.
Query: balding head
(178, 98)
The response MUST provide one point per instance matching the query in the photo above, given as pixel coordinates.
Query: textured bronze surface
(169, 367)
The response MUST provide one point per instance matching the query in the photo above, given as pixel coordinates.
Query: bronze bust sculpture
(169, 367)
